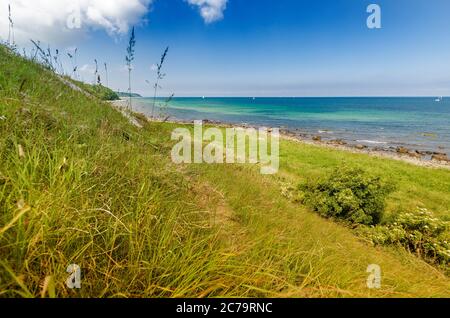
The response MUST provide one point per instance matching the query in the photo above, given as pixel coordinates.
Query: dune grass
(97, 90)
(81, 185)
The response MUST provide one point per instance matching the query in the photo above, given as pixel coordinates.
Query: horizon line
(343, 96)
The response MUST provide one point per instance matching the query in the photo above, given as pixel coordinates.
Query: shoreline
(424, 159)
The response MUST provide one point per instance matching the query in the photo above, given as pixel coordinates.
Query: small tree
(129, 60)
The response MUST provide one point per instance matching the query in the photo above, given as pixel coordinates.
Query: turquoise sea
(420, 123)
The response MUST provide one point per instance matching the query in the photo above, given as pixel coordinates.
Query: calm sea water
(417, 123)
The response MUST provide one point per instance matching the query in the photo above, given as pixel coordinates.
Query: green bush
(349, 194)
(418, 232)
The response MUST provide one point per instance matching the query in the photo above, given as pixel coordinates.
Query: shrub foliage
(419, 232)
(349, 194)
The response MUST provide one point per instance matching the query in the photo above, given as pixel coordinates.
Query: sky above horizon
(249, 47)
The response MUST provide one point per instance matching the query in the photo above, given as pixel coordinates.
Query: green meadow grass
(81, 185)
(414, 186)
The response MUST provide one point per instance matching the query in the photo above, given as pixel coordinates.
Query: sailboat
(439, 99)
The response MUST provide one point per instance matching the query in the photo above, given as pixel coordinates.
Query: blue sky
(282, 48)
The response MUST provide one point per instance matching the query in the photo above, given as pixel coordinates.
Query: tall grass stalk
(129, 58)
(45, 56)
(73, 61)
(11, 40)
(159, 76)
(96, 76)
(58, 62)
(106, 75)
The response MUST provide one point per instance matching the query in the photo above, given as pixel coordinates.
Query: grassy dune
(81, 185)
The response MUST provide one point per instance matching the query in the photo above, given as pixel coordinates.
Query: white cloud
(87, 69)
(210, 10)
(124, 68)
(86, 73)
(58, 21)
